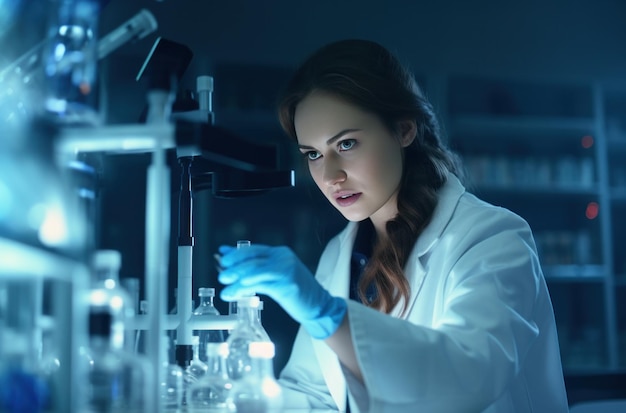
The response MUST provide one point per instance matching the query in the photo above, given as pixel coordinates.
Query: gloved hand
(278, 273)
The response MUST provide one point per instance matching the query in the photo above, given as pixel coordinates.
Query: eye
(347, 144)
(311, 155)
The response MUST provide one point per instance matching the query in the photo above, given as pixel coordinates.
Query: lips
(346, 198)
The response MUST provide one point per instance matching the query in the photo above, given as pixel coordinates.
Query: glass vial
(245, 332)
(172, 389)
(259, 392)
(196, 368)
(117, 380)
(207, 307)
(70, 61)
(212, 392)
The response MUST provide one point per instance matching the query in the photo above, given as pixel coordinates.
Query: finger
(250, 272)
(225, 249)
(235, 291)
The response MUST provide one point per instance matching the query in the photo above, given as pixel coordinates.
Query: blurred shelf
(575, 273)
(618, 194)
(620, 280)
(617, 144)
(535, 190)
(520, 124)
(22, 261)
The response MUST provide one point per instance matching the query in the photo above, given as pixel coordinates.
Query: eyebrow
(333, 139)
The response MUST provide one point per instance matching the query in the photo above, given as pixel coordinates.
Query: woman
(430, 299)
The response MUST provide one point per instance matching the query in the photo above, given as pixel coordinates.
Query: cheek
(385, 170)
(316, 175)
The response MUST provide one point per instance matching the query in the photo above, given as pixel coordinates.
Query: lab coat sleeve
(485, 325)
(301, 379)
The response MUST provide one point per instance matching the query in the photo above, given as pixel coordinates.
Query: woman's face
(353, 158)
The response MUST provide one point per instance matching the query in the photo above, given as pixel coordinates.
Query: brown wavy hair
(369, 76)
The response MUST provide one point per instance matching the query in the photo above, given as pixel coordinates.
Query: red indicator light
(587, 141)
(592, 210)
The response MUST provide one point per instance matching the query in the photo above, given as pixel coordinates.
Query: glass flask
(245, 332)
(196, 368)
(212, 392)
(107, 293)
(259, 391)
(117, 380)
(70, 61)
(172, 385)
(207, 307)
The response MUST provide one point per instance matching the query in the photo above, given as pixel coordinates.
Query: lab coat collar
(449, 196)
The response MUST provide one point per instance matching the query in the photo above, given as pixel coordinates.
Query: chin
(354, 217)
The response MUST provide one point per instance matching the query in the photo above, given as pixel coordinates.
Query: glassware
(232, 306)
(107, 294)
(196, 368)
(117, 380)
(259, 391)
(172, 389)
(70, 61)
(245, 332)
(207, 307)
(212, 392)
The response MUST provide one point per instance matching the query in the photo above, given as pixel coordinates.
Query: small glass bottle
(212, 392)
(71, 60)
(196, 368)
(259, 391)
(172, 389)
(245, 332)
(117, 380)
(207, 307)
(108, 295)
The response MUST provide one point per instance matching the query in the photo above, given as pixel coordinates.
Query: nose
(333, 172)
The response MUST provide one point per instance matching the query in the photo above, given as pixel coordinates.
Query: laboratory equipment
(245, 332)
(212, 392)
(70, 61)
(259, 391)
(207, 307)
(196, 368)
(210, 158)
(44, 241)
(117, 380)
(232, 305)
(171, 389)
(107, 294)
(23, 81)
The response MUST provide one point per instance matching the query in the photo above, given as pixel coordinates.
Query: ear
(408, 132)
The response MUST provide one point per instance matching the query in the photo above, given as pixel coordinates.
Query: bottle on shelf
(207, 307)
(259, 391)
(212, 392)
(247, 330)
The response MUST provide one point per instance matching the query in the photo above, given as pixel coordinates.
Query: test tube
(242, 243)
(232, 306)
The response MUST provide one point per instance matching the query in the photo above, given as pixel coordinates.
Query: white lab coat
(479, 334)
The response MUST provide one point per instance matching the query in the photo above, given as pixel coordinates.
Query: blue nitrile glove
(278, 273)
